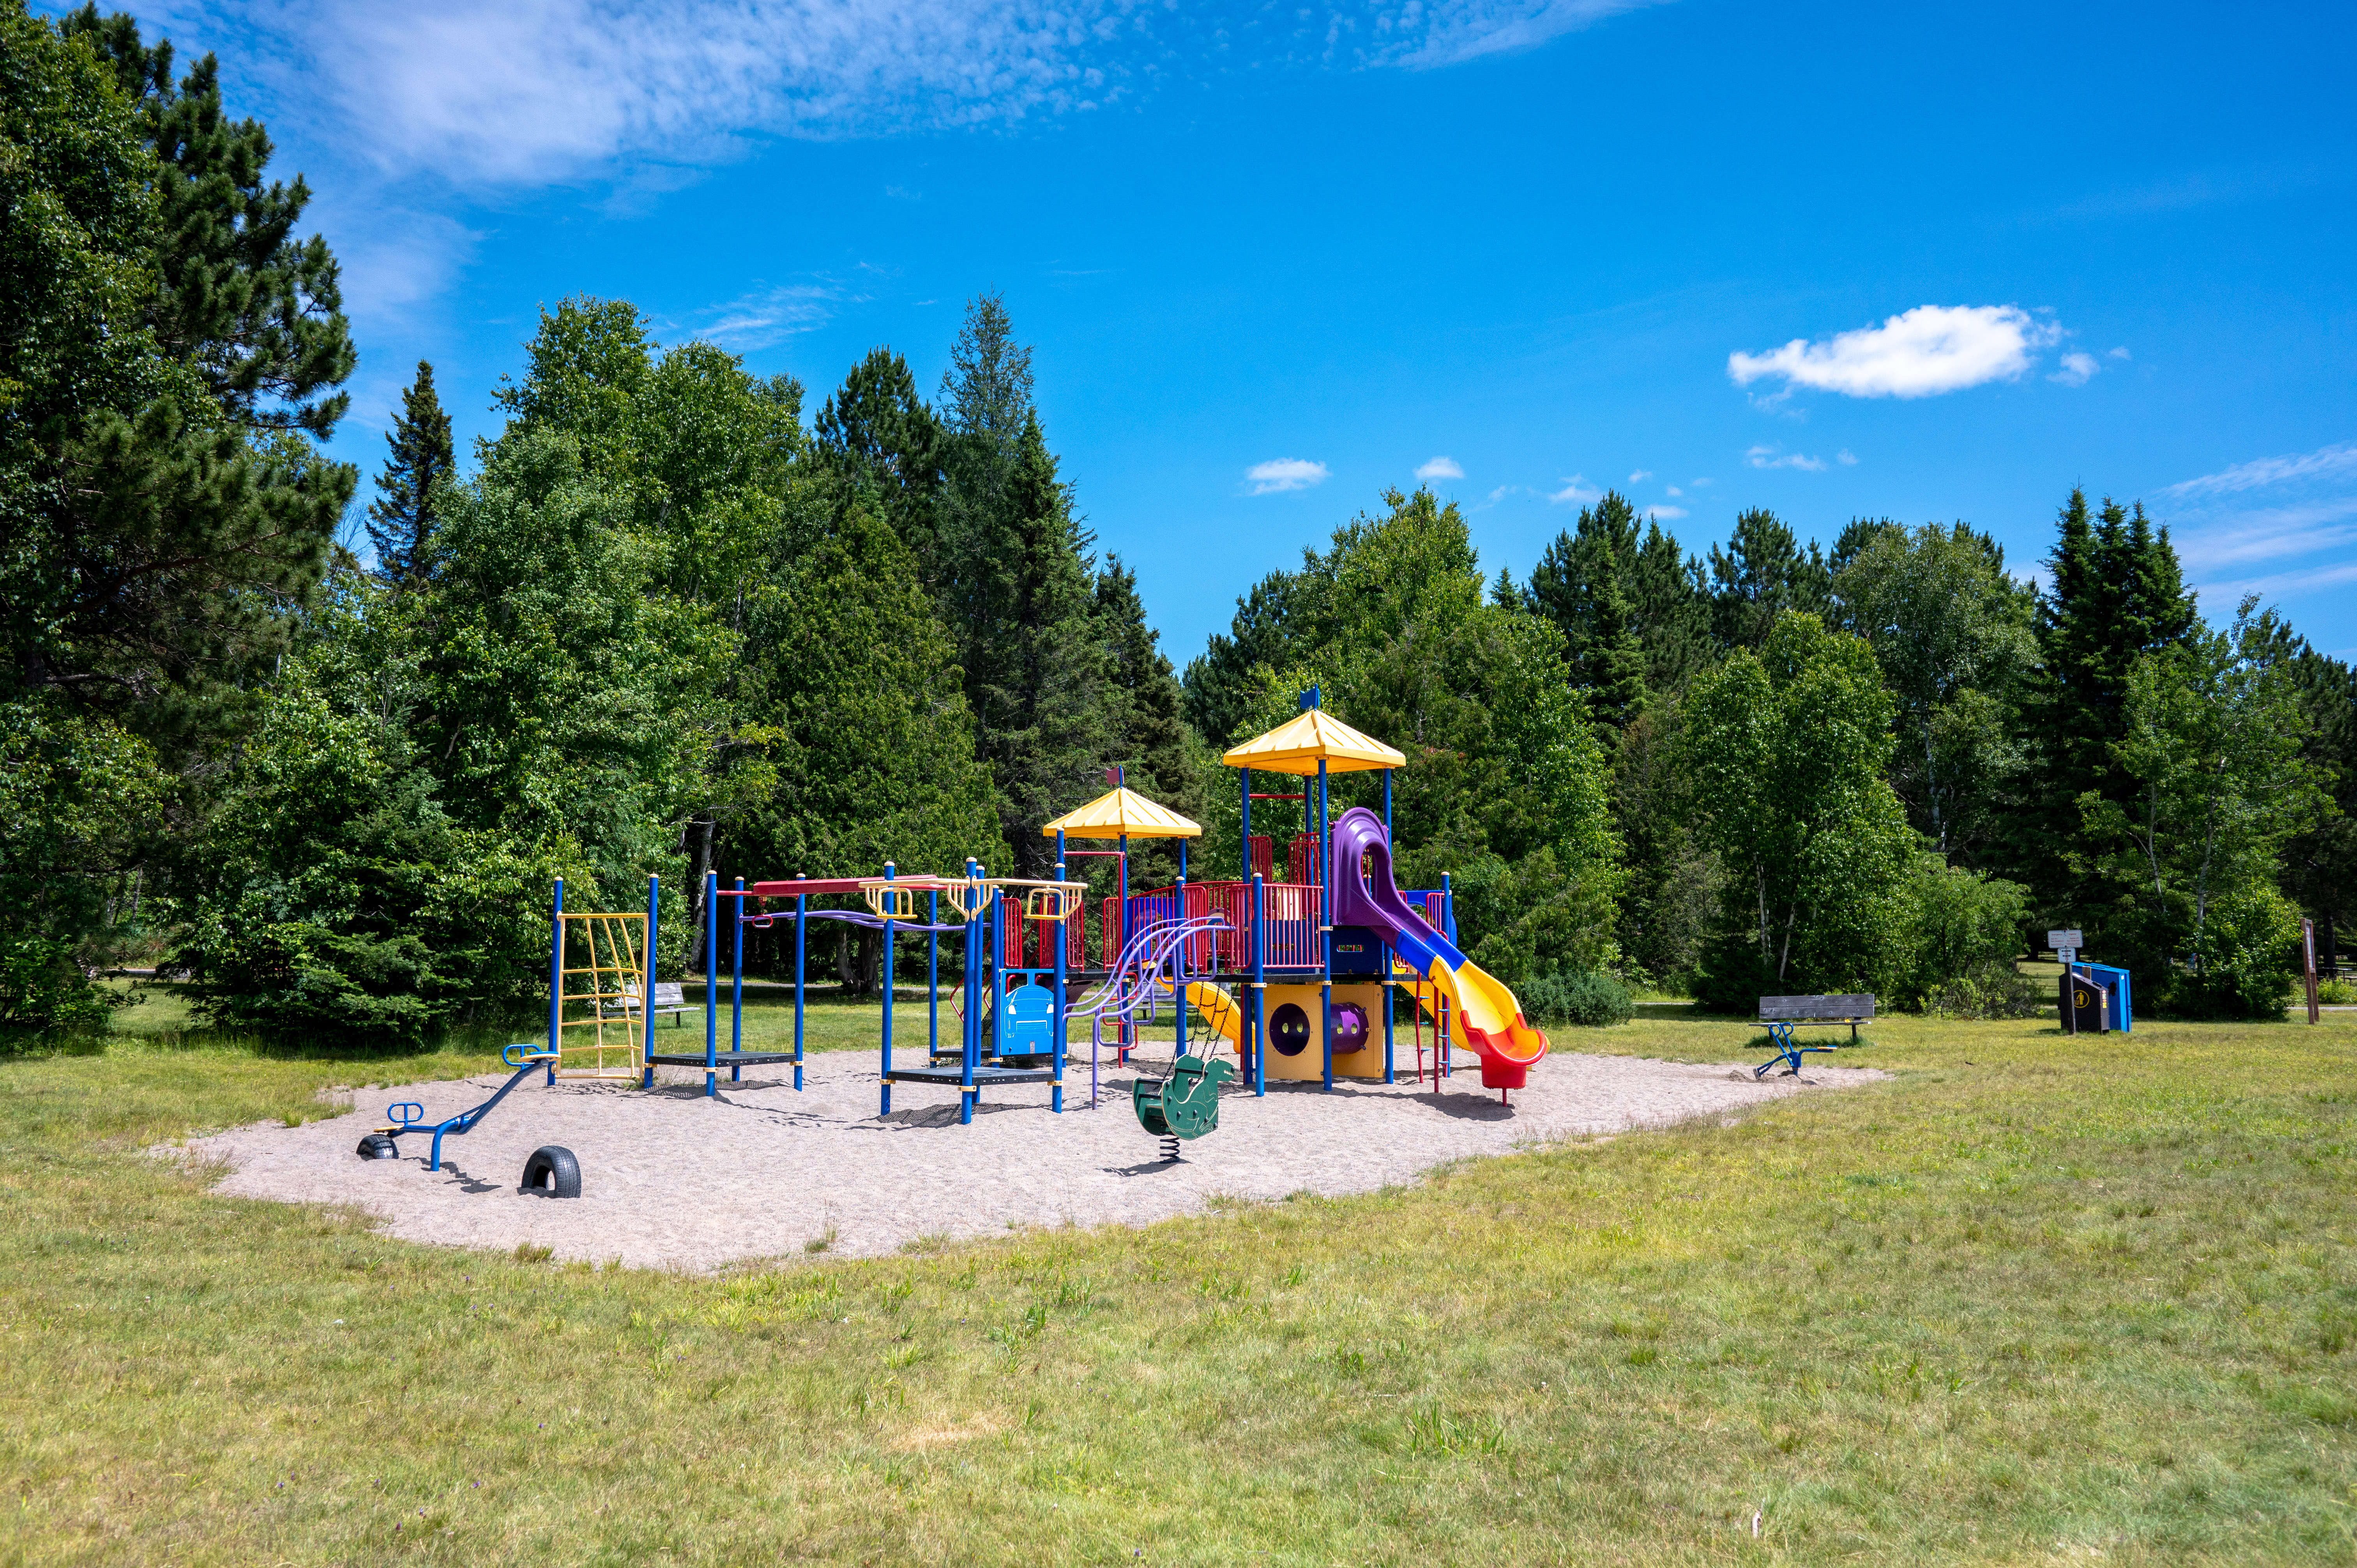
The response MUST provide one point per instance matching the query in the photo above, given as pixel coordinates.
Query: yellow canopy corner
(1122, 813)
(1298, 745)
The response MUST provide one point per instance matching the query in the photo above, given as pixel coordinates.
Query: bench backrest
(1799, 1009)
(667, 994)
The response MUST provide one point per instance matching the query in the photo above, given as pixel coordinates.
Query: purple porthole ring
(1350, 1029)
(1288, 1030)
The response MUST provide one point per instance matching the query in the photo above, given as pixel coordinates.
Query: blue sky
(1925, 262)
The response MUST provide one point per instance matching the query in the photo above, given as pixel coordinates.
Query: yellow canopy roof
(1298, 745)
(1123, 813)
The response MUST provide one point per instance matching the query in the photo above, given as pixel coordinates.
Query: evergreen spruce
(1144, 702)
(401, 520)
(876, 432)
(2115, 593)
(1014, 585)
(1761, 573)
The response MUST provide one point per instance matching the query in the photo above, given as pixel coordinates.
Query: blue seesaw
(552, 1168)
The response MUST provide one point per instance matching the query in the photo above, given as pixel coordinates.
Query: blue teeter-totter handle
(408, 1112)
(508, 1053)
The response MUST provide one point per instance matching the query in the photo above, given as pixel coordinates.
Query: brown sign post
(2307, 964)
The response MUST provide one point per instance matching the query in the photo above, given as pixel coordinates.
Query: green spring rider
(1184, 1105)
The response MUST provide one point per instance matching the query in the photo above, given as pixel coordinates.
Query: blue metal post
(1325, 924)
(1260, 991)
(1056, 1009)
(974, 1018)
(1448, 930)
(1178, 961)
(1125, 1035)
(801, 935)
(736, 988)
(1246, 835)
(933, 978)
(885, 935)
(1388, 992)
(647, 996)
(555, 978)
(711, 984)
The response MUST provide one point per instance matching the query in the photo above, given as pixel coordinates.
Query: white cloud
(1666, 512)
(2296, 539)
(1921, 353)
(2119, 353)
(1440, 469)
(1845, 457)
(537, 91)
(1279, 475)
(1575, 491)
(2078, 369)
(2322, 463)
(1769, 457)
(1674, 490)
(1698, 484)
(1449, 32)
(1640, 476)
(2269, 535)
(771, 315)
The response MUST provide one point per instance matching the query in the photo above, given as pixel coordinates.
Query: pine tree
(255, 313)
(1581, 584)
(1669, 611)
(171, 512)
(1761, 573)
(1611, 669)
(1014, 585)
(876, 431)
(2115, 592)
(1149, 732)
(1262, 633)
(401, 521)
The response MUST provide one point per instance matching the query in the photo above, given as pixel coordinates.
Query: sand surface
(671, 1179)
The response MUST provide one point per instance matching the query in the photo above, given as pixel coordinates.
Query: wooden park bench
(669, 998)
(1781, 1013)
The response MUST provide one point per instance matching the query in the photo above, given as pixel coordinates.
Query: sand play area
(671, 1179)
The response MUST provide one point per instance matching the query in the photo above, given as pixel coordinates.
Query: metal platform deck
(726, 1059)
(982, 1075)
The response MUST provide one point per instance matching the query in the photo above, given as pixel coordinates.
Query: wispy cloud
(2077, 369)
(1449, 32)
(2278, 527)
(1666, 512)
(2325, 462)
(1640, 476)
(1922, 352)
(771, 316)
(1440, 469)
(1845, 457)
(1575, 491)
(1279, 475)
(531, 92)
(1770, 457)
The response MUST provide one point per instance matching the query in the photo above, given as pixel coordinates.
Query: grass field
(2034, 1299)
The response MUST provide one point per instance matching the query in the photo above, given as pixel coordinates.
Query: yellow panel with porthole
(1295, 1017)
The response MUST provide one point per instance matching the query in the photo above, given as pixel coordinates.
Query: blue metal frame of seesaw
(409, 1116)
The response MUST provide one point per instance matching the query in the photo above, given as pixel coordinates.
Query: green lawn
(2034, 1299)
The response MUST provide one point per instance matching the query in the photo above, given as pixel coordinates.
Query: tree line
(670, 619)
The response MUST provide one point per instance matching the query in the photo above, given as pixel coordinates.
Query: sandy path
(671, 1179)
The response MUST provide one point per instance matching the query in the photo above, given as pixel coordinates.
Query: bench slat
(1826, 1009)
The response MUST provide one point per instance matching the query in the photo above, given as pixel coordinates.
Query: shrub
(1967, 932)
(1586, 998)
(1988, 990)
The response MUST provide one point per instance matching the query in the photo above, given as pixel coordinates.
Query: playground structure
(1295, 976)
(1306, 965)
